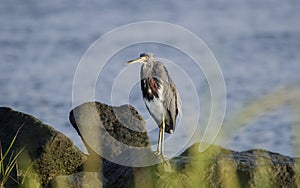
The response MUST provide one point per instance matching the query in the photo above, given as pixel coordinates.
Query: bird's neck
(146, 70)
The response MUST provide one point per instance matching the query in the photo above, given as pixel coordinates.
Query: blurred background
(256, 43)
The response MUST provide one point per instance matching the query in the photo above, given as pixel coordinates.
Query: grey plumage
(170, 98)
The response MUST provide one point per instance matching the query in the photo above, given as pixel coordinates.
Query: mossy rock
(47, 152)
(220, 167)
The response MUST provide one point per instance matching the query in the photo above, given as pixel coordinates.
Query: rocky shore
(49, 159)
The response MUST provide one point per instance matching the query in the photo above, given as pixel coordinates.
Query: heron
(160, 96)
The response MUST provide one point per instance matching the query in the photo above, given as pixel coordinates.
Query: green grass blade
(12, 142)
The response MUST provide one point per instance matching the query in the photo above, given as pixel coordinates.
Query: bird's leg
(158, 151)
(160, 145)
(163, 135)
(160, 138)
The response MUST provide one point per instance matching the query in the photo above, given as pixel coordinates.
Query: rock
(47, 153)
(100, 126)
(107, 131)
(79, 179)
(219, 167)
(110, 131)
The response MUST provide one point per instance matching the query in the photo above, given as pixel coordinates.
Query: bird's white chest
(156, 107)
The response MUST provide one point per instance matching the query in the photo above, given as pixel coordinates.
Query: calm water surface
(257, 45)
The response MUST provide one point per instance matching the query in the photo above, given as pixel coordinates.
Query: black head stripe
(143, 55)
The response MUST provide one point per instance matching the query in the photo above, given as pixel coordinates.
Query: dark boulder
(46, 152)
(108, 133)
(93, 120)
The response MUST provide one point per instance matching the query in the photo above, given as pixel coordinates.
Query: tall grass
(7, 167)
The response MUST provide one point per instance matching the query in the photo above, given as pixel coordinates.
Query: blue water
(256, 43)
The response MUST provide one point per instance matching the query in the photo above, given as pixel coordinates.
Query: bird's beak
(137, 60)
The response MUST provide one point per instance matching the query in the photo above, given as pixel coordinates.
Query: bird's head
(144, 59)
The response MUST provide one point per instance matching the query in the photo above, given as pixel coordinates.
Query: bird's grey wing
(172, 105)
(159, 71)
(171, 99)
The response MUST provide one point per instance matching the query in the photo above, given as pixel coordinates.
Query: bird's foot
(160, 155)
